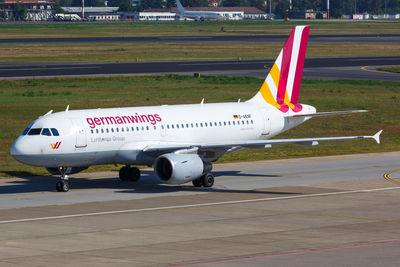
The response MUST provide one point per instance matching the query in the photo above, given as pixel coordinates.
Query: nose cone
(20, 150)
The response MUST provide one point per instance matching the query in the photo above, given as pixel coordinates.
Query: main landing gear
(63, 186)
(206, 180)
(128, 173)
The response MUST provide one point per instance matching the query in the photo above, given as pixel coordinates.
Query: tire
(207, 180)
(134, 174)
(65, 186)
(59, 186)
(197, 183)
(123, 173)
(62, 186)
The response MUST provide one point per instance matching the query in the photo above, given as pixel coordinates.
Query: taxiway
(314, 211)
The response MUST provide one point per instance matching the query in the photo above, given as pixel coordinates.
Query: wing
(190, 148)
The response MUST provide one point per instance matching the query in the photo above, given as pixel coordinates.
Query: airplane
(180, 141)
(198, 15)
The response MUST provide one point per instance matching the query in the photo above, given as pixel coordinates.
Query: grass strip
(151, 52)
(390, 69)
(193, 28)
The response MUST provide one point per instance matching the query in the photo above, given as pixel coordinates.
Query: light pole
(327, 9)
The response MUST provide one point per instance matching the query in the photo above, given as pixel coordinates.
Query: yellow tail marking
(287, 101)
(267, 95)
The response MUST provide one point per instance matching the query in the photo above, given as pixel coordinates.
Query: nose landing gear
(63, 186)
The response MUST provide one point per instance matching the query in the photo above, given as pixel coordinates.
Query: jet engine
(70, 170)
(180, 168)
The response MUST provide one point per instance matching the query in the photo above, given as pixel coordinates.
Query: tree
(194, 3)
(88, 3)
(124, 5)
(3, 15)
(20, 11)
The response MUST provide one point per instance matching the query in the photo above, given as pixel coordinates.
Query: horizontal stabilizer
(329, 113)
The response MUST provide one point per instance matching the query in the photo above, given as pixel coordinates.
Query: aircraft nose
(20, 149)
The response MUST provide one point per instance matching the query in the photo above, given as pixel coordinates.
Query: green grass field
(145, 52)
(22, 101)
(193, 28)
(390, 69)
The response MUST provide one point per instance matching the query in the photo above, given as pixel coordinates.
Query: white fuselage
(119, 135)
(202, 15)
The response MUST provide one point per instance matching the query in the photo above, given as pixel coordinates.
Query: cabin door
(80, 133)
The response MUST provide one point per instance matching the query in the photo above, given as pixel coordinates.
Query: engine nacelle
(70, 170)
(179, 168)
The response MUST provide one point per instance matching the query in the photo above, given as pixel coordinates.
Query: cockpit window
(34, 131)
(46, 131)
(26, 131)
(55, 132)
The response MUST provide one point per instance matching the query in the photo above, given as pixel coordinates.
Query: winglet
(376, 136)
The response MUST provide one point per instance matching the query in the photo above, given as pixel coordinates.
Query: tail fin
(180, 7)
(282, 86)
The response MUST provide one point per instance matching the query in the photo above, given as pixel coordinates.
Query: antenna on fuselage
(66, 110)
(202, 102)
(48, 113)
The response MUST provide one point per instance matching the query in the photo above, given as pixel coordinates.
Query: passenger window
(220, 124)
(107, 130)
(142, 128)
(187, 125)
(117, 130)
(122, 129)
(172, 126)
(102, 131)
(167, 126)
(183, 126)
(191, 125)
(233, 122)
(97, 130)
(147, 128)
(91, 131)
(197, 125)
(155, 128)
(46, 132)
(127, 129)
(251, 121)
(224, 123)
(205, 124)
(162, 127)
(112, 130)
(242, 122)
(133, 129)
(137, 128)
(34, 131)
(215, 123)
(247, 122)
(201, 124)
(177, 126)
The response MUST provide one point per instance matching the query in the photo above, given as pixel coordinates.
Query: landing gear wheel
(134, 174)
(62, 186)
(207, 180)
(197, 182)
(123, 174)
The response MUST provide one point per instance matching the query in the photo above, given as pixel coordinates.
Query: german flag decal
(236, 117)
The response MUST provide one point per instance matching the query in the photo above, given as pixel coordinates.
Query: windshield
(34, 131)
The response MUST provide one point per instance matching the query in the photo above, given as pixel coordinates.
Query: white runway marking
(196, 205)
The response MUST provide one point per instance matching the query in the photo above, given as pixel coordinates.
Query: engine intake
(179, 168)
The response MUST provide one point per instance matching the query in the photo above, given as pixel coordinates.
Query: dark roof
(245, 9)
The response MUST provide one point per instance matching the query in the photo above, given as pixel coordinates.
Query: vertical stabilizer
(282, 86)
(180, 7)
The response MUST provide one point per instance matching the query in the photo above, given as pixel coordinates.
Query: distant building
(96, 13)
(37, 10)
(231, 13)
(308, 14)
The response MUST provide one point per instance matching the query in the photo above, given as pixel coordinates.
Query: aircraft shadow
(147, 185)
